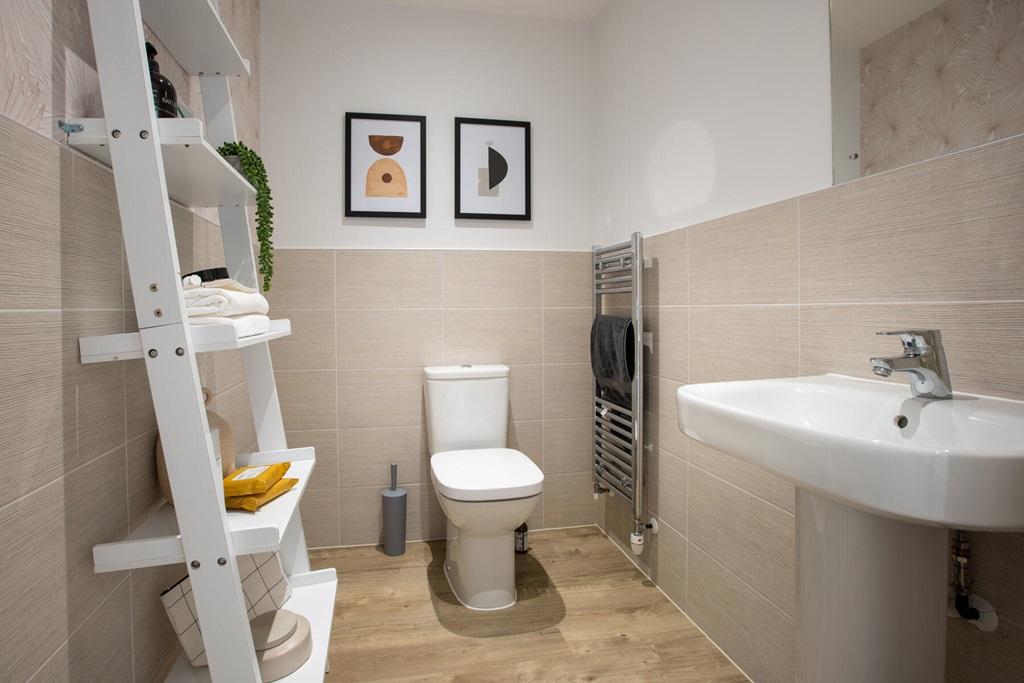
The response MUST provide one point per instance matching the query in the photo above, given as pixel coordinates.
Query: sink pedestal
(871, 595)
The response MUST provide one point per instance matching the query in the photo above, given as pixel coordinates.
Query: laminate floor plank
(584, 613)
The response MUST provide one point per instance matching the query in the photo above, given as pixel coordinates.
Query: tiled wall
(365, 323)
(76, 441)
(799, 288)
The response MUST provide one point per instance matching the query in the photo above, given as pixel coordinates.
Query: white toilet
(485, 489)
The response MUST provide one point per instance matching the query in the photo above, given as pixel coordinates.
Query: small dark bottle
(522, 538)
(165, 97)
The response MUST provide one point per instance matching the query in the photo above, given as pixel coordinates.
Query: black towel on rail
(612, 358)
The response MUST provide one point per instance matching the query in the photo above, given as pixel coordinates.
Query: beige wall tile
(509, 336)
(536, 519)
(389, 339)
(746, 258)
(568, 445)
(138, 400)
(665, 276)
(233, 405)
(361, 516)
(998, 572)
(567, 335)
(669, 562)
(321, 517)
(752, 539)
(187, 233)
(568, 391)
(568, 499)
(35, 188)
(528, 438)
(750, 478)
(617, 519)
(526, 392)
(325, 442)
(661, 420)
(91, 241)
(46, 560)
(665, 476)
(380, 398)
(946, 230)
(99, 388)
(757, 635)
(308, 399)
(37, 432)
(101, 650)
(312, 343)
(842, 339)
(492, 279)
(366, 455)
(208, 246)
(223, 370)
(389, 278)
(303, 280)
(742, 342)
(566, 279)
(143, 489)
(668, 326)
(973, 655)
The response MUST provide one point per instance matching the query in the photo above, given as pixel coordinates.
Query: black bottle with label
(165, 97)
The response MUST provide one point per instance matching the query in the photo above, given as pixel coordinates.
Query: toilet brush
(393, 501)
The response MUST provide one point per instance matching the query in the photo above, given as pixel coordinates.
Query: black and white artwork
(492, 169)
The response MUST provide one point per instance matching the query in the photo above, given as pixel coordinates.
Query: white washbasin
(957, 463)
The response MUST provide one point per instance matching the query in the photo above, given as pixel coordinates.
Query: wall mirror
(916, 79)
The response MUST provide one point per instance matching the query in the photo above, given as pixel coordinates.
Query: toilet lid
(485, 474)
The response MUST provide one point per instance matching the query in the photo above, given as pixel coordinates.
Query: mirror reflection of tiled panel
(917, 79)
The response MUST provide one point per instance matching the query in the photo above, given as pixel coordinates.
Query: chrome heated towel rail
(618, 430)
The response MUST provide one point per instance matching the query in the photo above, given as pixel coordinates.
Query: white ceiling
(573, 10)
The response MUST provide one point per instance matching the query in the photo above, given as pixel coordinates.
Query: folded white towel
(222, 298)
(245, 326)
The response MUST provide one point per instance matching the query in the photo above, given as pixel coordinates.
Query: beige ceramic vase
(227, 448)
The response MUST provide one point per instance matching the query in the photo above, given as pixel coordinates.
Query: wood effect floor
(584, 613)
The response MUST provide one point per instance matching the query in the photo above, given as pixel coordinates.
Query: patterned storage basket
(263, 583)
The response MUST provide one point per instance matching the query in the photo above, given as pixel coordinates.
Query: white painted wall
(321, 58)
(659, 115)
(709, 108)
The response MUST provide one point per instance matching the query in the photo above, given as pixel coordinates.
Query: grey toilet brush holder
(393, 502)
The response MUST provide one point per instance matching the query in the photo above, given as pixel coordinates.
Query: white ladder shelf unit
(153, 162)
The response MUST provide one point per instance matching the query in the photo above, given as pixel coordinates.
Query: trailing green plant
(256, 173)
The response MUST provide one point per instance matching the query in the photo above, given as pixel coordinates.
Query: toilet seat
(485, 474)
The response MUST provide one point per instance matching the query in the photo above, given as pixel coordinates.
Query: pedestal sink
(880, 477)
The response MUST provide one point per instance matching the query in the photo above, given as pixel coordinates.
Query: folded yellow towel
(257, 500)
(254, 479)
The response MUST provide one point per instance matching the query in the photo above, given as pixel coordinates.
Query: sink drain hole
(901, 421)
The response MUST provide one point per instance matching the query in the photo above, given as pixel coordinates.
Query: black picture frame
(422, 120)
(459, 213)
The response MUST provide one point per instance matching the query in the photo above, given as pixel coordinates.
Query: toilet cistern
(923, 360)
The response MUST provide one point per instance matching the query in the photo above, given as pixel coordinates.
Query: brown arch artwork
(386, 179)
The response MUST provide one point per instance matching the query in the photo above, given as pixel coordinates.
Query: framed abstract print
(492, 169)
(385, 166)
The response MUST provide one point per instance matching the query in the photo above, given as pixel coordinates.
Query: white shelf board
(313, 597)
(205, 338)
(196, 37)
(157, 541)
(197, 175)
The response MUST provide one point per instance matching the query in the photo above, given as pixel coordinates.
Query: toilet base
(481, 569)
(480, 557)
